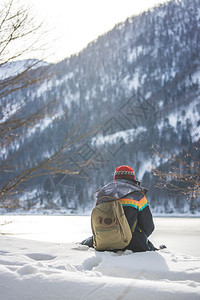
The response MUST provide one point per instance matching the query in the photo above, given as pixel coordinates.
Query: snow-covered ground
(39, 259)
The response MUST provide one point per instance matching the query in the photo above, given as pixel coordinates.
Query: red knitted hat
(124, 172)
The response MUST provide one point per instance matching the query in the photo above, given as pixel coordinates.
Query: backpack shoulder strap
(110, 197)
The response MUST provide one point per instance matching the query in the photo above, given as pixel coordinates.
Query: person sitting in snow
(132, 195)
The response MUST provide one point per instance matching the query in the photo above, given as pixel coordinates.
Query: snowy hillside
(134, 87)
(14, 68)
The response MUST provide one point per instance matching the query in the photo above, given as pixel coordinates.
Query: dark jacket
(136, 208)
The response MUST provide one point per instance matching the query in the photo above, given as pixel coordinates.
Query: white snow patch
(191, 113)
(148, 94)
(28, 195)
(160, 103)
(146, 166)
(45, 86)
(131, 83)
(70, 75)
(127, 136)
(196, 77)
(173, 118)
(170, 32)
(161, 13)
(134, 54)
(134, 83)
(44, 123)
(10, 109)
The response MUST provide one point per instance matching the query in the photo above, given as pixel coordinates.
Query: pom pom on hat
(124, 172)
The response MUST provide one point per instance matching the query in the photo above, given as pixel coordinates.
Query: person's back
(127, 189)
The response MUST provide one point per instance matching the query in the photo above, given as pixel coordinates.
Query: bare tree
(54, 164)
(20, 36)
(183, 175)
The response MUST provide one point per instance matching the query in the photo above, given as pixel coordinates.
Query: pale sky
(75, 23)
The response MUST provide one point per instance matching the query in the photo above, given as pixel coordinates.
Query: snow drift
(41, 270)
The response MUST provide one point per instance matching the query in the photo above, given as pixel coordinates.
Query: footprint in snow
(40, 256)
(3, 252)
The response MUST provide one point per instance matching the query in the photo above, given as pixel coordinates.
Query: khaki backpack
(110, 227)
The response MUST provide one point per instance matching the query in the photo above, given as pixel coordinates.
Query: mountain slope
(140, 83)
